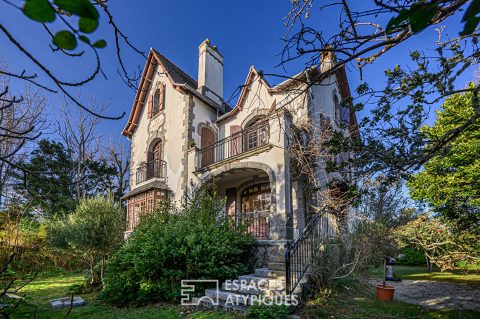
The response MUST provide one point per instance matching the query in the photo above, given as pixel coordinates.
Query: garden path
(437, 295)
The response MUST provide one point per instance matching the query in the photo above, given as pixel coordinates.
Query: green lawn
(44, 288)
(421, 273)
(356, 301)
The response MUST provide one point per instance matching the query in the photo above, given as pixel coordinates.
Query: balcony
(246, 140)
(152, 169)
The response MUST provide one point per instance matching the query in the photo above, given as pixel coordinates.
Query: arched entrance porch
(250, 194)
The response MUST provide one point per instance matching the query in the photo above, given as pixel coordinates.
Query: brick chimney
(210, 72)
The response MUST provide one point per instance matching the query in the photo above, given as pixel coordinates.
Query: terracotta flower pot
(385, 293)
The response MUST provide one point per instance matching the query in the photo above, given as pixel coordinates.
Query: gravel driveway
(436, 295)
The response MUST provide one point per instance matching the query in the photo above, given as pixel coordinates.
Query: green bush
(194, 242)
(412, 257)
(92, 232)
(261, 311)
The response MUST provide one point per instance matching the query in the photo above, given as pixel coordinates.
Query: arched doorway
(255, 209)
(252, 180)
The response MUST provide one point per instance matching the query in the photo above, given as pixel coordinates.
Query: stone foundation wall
(269, 251)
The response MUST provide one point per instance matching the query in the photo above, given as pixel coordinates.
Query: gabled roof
(174, 72)
(179, 80)
(182, 81)
(254, 75)
(301, 77)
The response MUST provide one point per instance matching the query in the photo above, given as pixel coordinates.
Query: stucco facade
(192, 137)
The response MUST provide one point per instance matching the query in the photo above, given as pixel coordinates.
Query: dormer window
(157, 101)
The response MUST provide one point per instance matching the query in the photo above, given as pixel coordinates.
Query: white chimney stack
(210, 72)
(328, 60)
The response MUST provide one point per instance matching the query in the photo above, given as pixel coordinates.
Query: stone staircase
(266, 284)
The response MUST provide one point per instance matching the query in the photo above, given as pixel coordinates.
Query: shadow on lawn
(43, 289)
(47, 287)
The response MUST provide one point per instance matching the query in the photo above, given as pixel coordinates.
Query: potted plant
(384, 292)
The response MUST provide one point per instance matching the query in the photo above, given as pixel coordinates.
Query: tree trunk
(92, 273)
(102, 268)
(429, 264)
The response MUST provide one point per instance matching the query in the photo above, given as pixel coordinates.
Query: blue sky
(246, 33)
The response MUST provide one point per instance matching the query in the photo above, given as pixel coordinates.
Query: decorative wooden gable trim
(141, 96)
(253, 75)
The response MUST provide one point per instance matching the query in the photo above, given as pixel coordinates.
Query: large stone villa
(183, 134)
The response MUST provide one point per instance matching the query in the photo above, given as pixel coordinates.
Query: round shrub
(194, 242)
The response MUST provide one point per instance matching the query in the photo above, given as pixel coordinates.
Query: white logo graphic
(189, 288)
(261, 292)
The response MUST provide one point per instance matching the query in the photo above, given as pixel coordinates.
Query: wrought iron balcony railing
(246, 140)
(152, 169)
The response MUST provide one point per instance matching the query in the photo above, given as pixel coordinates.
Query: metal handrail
(243, 141)
(301, 252)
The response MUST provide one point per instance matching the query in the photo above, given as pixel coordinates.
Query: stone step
(221, 305)
(277, 259)
(242, 288)
(253, 291)
(228, 305)
(266, 272)
(236, 298)
(264, 282)
(277, 266)
(282, 267)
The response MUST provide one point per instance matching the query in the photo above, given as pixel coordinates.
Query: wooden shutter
(236, 141)
(231, 194)
(149, 164)
(161, 99)
(207, 138)
(150, 106)
(344, 93)
(149, 156)
(157, 151)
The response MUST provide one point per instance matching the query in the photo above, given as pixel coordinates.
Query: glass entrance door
(256, 202)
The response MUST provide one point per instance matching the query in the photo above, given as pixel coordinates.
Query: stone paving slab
(65, 302)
